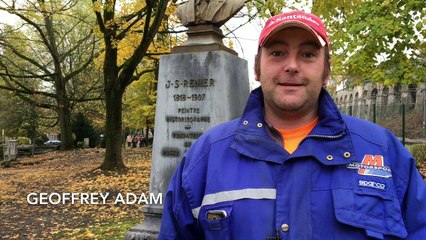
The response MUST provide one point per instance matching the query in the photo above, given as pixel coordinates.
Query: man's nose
(291, 65)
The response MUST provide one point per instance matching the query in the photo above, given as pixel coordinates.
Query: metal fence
(405, 121)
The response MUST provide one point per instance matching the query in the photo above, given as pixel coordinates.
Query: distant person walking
(134, 141)
(129, 140)
(150, 137)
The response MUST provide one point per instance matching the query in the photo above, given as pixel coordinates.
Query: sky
(246, 44)
(7, 18)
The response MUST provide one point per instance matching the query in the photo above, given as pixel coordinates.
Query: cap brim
(290, 24)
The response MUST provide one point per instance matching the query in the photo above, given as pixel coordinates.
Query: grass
(108, 230)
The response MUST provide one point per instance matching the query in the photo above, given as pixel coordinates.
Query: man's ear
(256, 76)
(256, 67)
(327, 75)
(326, 79)
(325, 82)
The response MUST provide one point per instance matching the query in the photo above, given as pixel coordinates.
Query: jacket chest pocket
(215, 221)
(370, 209)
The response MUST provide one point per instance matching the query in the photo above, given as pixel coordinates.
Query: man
(294, 167)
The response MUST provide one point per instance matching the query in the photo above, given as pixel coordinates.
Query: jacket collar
(254, 140)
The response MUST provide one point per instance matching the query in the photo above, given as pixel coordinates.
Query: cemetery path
(56, 173)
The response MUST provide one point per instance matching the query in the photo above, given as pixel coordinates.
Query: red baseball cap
(301, 19)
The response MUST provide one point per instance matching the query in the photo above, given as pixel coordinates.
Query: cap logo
(290, 17)
(301, 19)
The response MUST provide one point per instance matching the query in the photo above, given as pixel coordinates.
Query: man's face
(291, 72)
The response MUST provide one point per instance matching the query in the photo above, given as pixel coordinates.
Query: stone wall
(362, 101)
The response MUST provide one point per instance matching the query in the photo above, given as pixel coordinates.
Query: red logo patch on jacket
(372, 165)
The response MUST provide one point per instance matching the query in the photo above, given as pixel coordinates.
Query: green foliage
(80, 144)
(83, 128)
(382, 41)
(94, 112)
(139, 102)
(419, 153)
(114, 229)
(41, 139)
(17, 117)
(268, 8)
(23, 140)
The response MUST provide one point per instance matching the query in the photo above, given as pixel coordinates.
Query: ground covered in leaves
(74, 172)
(71, 172)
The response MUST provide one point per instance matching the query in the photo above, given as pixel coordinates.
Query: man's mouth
(287, 84)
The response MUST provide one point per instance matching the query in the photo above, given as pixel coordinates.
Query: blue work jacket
(348, 179)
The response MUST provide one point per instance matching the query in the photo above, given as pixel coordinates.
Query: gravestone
(9, 152)
(86, 142)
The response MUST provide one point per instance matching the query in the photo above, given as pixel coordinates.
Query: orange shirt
(293, 137)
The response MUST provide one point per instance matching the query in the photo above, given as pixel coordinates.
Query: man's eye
(277, 53)
(308, 55)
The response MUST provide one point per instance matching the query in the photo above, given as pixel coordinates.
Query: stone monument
(200, 85)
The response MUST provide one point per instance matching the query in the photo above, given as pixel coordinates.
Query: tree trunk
(64, 113)
(67, 142)
(113, 125)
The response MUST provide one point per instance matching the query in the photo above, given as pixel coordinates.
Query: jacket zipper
(325, 136)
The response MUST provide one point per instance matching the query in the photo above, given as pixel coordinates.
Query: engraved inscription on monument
(190, 116)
